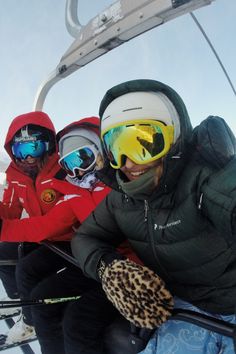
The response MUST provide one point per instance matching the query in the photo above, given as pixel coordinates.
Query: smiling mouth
(31, 160)
(137, 173)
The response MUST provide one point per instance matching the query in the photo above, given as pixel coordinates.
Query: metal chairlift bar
(74, 26)
(211, 323)
(116, 25)
(199, 319)
(60, 252)
(8, 262)
(72, 22)
(44, 88)
(119, 23)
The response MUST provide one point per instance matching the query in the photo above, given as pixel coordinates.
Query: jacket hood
(86, 123)
(36, 118)
(174, 160)
(214, 142)
(79, 133)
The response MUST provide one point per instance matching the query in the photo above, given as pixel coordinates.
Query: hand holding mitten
(138, 293)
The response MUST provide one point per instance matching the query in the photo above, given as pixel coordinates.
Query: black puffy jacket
(185, 231)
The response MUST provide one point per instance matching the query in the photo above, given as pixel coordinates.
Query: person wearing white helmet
(174, 199)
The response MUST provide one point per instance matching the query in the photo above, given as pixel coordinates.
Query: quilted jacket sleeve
(219, 200)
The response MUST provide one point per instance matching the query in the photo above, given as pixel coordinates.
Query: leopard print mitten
(137, 293)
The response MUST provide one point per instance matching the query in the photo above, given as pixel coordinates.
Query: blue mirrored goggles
(36, 148)
(82, 159)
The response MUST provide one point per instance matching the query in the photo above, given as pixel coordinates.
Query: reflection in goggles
(141, 142)
(80, 159)
(21, 150)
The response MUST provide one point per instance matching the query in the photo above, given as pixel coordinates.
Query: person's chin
(32, 164)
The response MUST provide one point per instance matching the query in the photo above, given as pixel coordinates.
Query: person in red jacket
(81, 191)
(58, 223)
(31, 145)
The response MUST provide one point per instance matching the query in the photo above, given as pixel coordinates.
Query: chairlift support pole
(71, 18)
(116, 25)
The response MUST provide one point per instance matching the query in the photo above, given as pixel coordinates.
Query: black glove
(137, 293)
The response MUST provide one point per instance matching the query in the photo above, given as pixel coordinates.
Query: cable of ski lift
(214, 51)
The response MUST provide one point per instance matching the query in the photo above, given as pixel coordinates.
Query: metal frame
(116, 25)
(71, 17)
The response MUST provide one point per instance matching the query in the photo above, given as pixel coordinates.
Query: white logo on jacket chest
(170, 224)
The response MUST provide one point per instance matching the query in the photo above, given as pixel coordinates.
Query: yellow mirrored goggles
(142, 141)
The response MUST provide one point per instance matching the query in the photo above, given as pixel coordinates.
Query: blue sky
(34, 38)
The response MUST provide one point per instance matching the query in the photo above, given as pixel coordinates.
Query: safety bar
(199, 319)
(10, 262)
(140, 336)
(60, 252)
(205, 321)
(116, 25)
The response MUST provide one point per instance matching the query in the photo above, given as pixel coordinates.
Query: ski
(24, 346)
(5, 317)
(5, 346)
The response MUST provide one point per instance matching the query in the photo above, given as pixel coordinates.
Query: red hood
(92, 123)
(36, 118)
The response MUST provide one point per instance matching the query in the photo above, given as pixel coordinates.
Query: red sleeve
(10, 207)
(126, 250)
(57, 222)
(83, 209)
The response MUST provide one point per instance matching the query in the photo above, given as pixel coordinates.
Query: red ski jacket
(71, 210)
(42, 196)
(36, 197)
(72, 207)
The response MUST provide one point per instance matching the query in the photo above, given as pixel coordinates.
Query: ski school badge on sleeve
(48, 196)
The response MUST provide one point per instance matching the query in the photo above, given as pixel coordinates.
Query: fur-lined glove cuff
(137, 293)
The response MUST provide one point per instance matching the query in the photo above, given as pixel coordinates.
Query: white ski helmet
(141, 105)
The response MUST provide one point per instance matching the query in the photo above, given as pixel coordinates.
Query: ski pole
(8, 262)
(23, 303)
